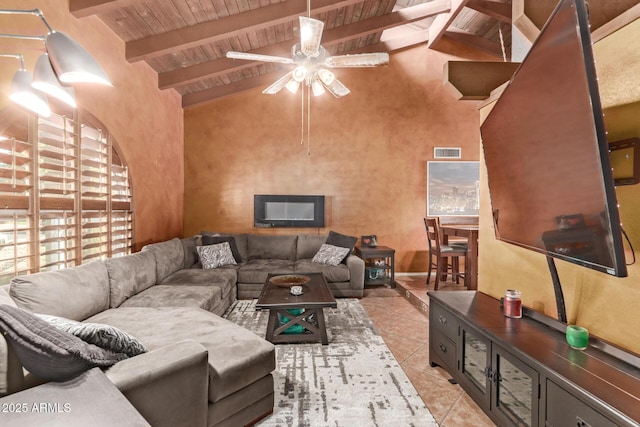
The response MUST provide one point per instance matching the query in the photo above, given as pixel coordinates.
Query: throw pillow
(342, 240)
(214, 256)
(46, 351)
(329, 254)
(214, 240)
(105, 336)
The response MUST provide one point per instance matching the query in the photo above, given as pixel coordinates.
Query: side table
(87, 400)
(378, 274)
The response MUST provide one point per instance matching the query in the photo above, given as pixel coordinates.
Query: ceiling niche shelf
(474, 80)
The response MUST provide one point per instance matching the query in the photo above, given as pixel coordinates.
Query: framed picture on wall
(452, 188)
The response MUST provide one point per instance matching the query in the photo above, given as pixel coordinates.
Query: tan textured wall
(147, 123)
(369, 152)
(607, 306)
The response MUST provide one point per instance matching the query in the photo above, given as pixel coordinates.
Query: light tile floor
(401, 316)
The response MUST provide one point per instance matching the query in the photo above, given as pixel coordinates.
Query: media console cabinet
(523, 372)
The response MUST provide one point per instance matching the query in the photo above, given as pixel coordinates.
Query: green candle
(577, 337)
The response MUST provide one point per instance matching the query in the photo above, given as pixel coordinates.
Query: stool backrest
(432, 227)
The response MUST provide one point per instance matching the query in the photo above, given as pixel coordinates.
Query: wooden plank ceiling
(185, 41)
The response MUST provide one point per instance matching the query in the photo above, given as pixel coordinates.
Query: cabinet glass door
(475, 359)
(516, 390)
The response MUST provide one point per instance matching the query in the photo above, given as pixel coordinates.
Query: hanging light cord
(309, 120)
(302, 116)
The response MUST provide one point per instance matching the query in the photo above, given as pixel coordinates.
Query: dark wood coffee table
(278, 300)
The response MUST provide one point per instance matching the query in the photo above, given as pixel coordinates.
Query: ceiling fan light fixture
(45, 80)
(299, 74)
(317, 88)
(310, 36)
(293, 86)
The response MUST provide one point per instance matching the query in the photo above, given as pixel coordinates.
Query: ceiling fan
(312, 62)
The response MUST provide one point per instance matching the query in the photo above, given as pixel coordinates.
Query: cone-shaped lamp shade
(45, 80)
(23, 94)
(72, 63)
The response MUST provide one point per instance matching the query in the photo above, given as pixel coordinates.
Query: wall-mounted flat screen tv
(546, 151)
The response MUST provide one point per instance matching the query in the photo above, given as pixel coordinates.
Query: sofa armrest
(169, 386)
(356, 270)
(11, 372)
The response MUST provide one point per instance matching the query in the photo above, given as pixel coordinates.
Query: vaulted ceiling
(186, 41)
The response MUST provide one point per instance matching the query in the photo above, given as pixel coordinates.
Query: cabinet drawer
(563, 409)
(445, 350)
(443, 321)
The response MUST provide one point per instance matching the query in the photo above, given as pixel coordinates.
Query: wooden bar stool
(445, 258)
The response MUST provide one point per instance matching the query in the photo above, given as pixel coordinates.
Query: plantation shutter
(95, 174)
(16, 192)
(58, 178)
(121, 213)
(65, 195)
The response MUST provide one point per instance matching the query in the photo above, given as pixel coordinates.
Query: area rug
(353, 381)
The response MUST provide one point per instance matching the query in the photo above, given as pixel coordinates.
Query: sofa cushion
(342, 240)
(333, 273)
(47, 352)
(308, 245)
(204, 297)
(237, 356)
(329, 254)
(75, 293)
(272, 247)
(104, 336)
(129, 275)
(169, 257)
(214, 240)
(214, 256)
(256, 271)
(5, 298)
(223, 278)
(240, 239)
(190, 253)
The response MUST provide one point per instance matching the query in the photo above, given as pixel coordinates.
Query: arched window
(65, 193)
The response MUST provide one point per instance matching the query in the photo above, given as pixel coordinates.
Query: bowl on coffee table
(289, 280)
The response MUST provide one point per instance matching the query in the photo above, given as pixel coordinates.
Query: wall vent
(447, 153)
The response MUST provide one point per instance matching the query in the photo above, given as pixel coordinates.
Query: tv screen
(545, 147)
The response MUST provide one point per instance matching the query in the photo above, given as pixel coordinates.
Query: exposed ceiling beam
(224, 91)
(220, 92)
(82, 8)
(224, 28)
(499, 11)
(616, 23)
(331, 37)
(476, 42)
(443, 21)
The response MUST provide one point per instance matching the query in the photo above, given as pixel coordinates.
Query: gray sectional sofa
(288, 254)
(200, 368)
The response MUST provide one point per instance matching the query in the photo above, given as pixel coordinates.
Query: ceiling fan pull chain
(308, 120)
(302, 116)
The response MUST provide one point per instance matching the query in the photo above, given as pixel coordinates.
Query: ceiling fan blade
(358, 60)
(310, 35)
(278, 85)
(337, 89)
(257, 57)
